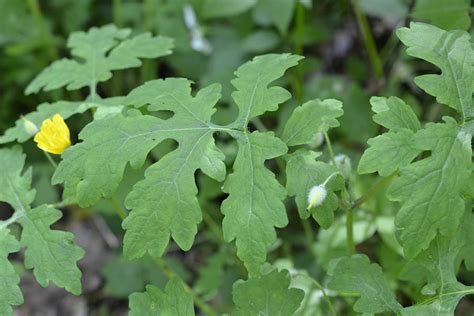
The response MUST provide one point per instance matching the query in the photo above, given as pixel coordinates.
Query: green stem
(298, 50)
(321, 288)
(350, 232)
(118, 208)
(345, 203)
(259, 124)
(369, 42)
(170, 274)
(146, 71)
(117, 12)
(308, 232)
(377, 187)
(41, 25)
(50, 159)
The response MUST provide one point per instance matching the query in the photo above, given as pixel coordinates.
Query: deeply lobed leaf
(268, 295)
(451, 51)
(97, 53)
(356, 275)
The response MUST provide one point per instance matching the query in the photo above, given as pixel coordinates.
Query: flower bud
(29, 127)
(317, 140)
(316, 196)
(344, 165)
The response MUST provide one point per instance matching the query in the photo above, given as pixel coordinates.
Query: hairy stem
(369, 41)
(50, 159)
(117, 12)
(118, 208)
(377, 187)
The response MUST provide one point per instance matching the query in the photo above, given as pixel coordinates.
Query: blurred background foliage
(351, 53)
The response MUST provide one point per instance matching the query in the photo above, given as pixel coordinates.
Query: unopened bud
(344, 165)
(30, 127)
(317, 140)
(317, 195)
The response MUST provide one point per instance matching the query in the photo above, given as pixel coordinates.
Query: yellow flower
(53, 136)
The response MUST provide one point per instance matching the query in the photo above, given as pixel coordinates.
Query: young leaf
(313, 117)
(452, 53)
(430, 189)
(303, 172)
(252, 95)
(51, 253)
(396, 148)
(97, 53)
(394, 114)
(9, 279)
(356, 275)
(254, 206)
(439, 265)
(266, 295)
(174, 300)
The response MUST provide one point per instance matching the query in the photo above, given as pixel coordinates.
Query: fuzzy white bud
(317, 140)
(30, 127)
(316, 196)
(344, 165)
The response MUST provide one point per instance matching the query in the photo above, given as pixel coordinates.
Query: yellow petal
(54, 136)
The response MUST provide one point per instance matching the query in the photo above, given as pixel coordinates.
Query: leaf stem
(298, 50)
(170, 274)
(50, 159)
(321, 288)
(379, 185)
(369, 42)
(350, 232)
(118, 208)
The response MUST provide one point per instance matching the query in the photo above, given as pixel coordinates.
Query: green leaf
(253, 96)
(266, 295)
(356, 275)
(211, 276)
(224, 8)
(452, 53)
(9, 279)
(278, 12)
(174, 300)
(313, 117)
(51, 253)
(449, 15)
(16, 187)
(394, 114)
(388, 152)
(97, 53)
(396, 148)
(254, 206)
(438, 265)
(431, 189)
(303, 172)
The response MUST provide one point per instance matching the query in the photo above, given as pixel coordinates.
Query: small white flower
(317, 195)
(30, 127)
